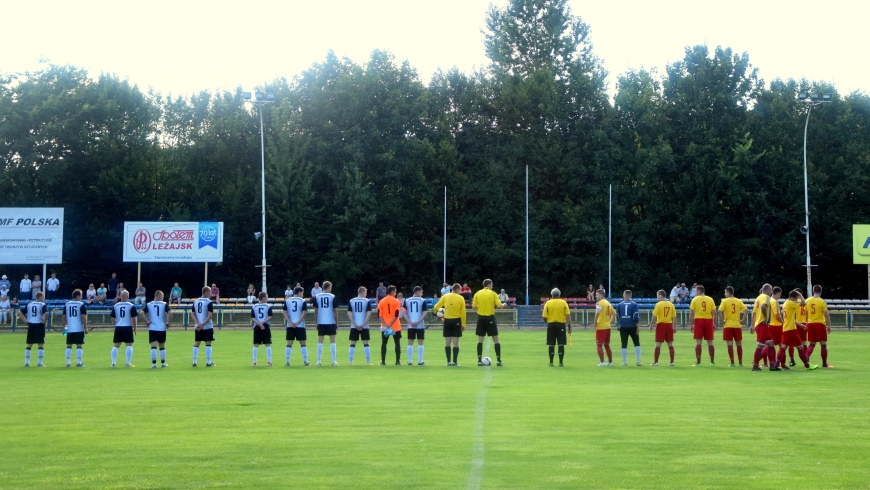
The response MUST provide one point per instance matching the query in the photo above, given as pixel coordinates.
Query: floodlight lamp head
(246, 95)
(270, 97)
(257, 235)
(804, 230)
(802, 96)
(826, 97)
(814, 97)
(259, 95)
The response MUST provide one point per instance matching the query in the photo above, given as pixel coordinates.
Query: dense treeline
(705, 162)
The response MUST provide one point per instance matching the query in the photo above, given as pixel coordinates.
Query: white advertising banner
(31, 235)
(157, 241)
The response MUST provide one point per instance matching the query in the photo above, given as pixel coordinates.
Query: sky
(181, 47)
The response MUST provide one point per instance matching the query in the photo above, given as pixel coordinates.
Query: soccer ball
(486, 361)
(440, 313)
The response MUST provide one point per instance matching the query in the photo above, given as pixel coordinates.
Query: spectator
(445, 289)
(466, 292)
(102, 294)
(288, 293)
(113, 286)
(590, 293)
(175, 294)
(24, 287)
(5, 305)
(503, 297)
(601, 287)
(693, 292)
(4, 281)
(215, 294)
(401, 298)
(120, 290)
(684, 293)
(140, 295)
(675, 294)
(35, 286)
(380, 292)
(298, 285)
(316, 290)
(51, 286)
(251, 297)
(91, 295)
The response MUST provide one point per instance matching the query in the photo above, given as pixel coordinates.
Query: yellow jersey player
(663, 319)
(763, 311)
(558, 318)
(484, 303)
(454, 321)
(818, 324)
(802, 333)
(605, 315)
(790, 338)
(732, 312)
(701, 319)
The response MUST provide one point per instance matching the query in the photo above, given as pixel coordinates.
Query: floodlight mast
(261, 99)
(812, 100)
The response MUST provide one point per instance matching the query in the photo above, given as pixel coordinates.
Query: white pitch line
(477, 453)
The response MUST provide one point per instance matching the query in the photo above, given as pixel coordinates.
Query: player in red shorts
(790, 338)
(818, 324)
(776, 318)
(802, 318)
(731, 314)
(605, 315)
(763, 311)
(663, 319)
(701, 319)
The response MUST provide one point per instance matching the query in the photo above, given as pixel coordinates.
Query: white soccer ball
(440, 313)
(486, 361)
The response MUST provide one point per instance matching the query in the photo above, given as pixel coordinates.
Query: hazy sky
(181, 47)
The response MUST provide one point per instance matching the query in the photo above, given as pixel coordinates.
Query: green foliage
(705, 163)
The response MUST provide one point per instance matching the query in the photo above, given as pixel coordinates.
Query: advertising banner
(31, 235)
(158, 241)
(861, 244)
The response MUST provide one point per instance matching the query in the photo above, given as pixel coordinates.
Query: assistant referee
(454, 321)
(484, 303)
(558, 317)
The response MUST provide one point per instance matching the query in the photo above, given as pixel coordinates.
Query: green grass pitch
(415, 427)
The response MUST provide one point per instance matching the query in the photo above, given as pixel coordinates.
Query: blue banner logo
(208, 232)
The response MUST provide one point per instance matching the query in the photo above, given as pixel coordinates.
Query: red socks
(671, 350)
(600, 353)
(759, 352)
(739, 354)
(658, 351)
(731, 353)
(803, 354)
(712, 350)
(824, 355)
(698, 353)
(771, 355)
(791, 353)
(609, 353)
(810, 350)
(781, 355)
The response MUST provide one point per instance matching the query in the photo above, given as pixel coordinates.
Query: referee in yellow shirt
(454, 321)
(558, 317)
(484, 303)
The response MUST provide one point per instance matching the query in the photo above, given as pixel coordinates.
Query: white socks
(163, 356)
(208, 354)
(350, 352)
(419, 354)
(195, 353)
(78, 355)
(319, 353)
(637, 352)
(624, 356)
(410, 353)
(68, 354)
(287, 352)
(368, 351)
(304, 349)
(254, 352)
(114, 355)
(332, 352)
(269, 353)
(39, 355)
(154, 355)
(129, 354)
(26, 356)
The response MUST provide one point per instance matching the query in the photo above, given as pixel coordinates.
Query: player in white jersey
(327, 320)
(35, 315)
(75, 322)
(294, 318)
(158, 317)
(124, 312)
(261, 315)
(415, 314)
(359, 310)
(203, 310)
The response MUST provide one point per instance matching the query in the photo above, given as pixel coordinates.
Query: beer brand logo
(141, 241)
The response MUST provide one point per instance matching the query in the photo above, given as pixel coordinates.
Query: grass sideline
(412, 427)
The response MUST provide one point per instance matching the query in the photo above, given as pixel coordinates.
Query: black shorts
(486, 326)
(324, 330)
(416, 333)
(396, 335)
(452, 327)
(556, 333)
(35, 333)
(123, 335)
(157, 336)
(203, 335)
(76, 338)
(296, 333)
(262, 336)
(359, 334)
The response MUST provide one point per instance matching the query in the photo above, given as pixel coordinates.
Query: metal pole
(263, 194)
(527, 235)
(807, 206)
(44, 279)
(444, 259)
(206, 275)
(138, 273)
(610, 245)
